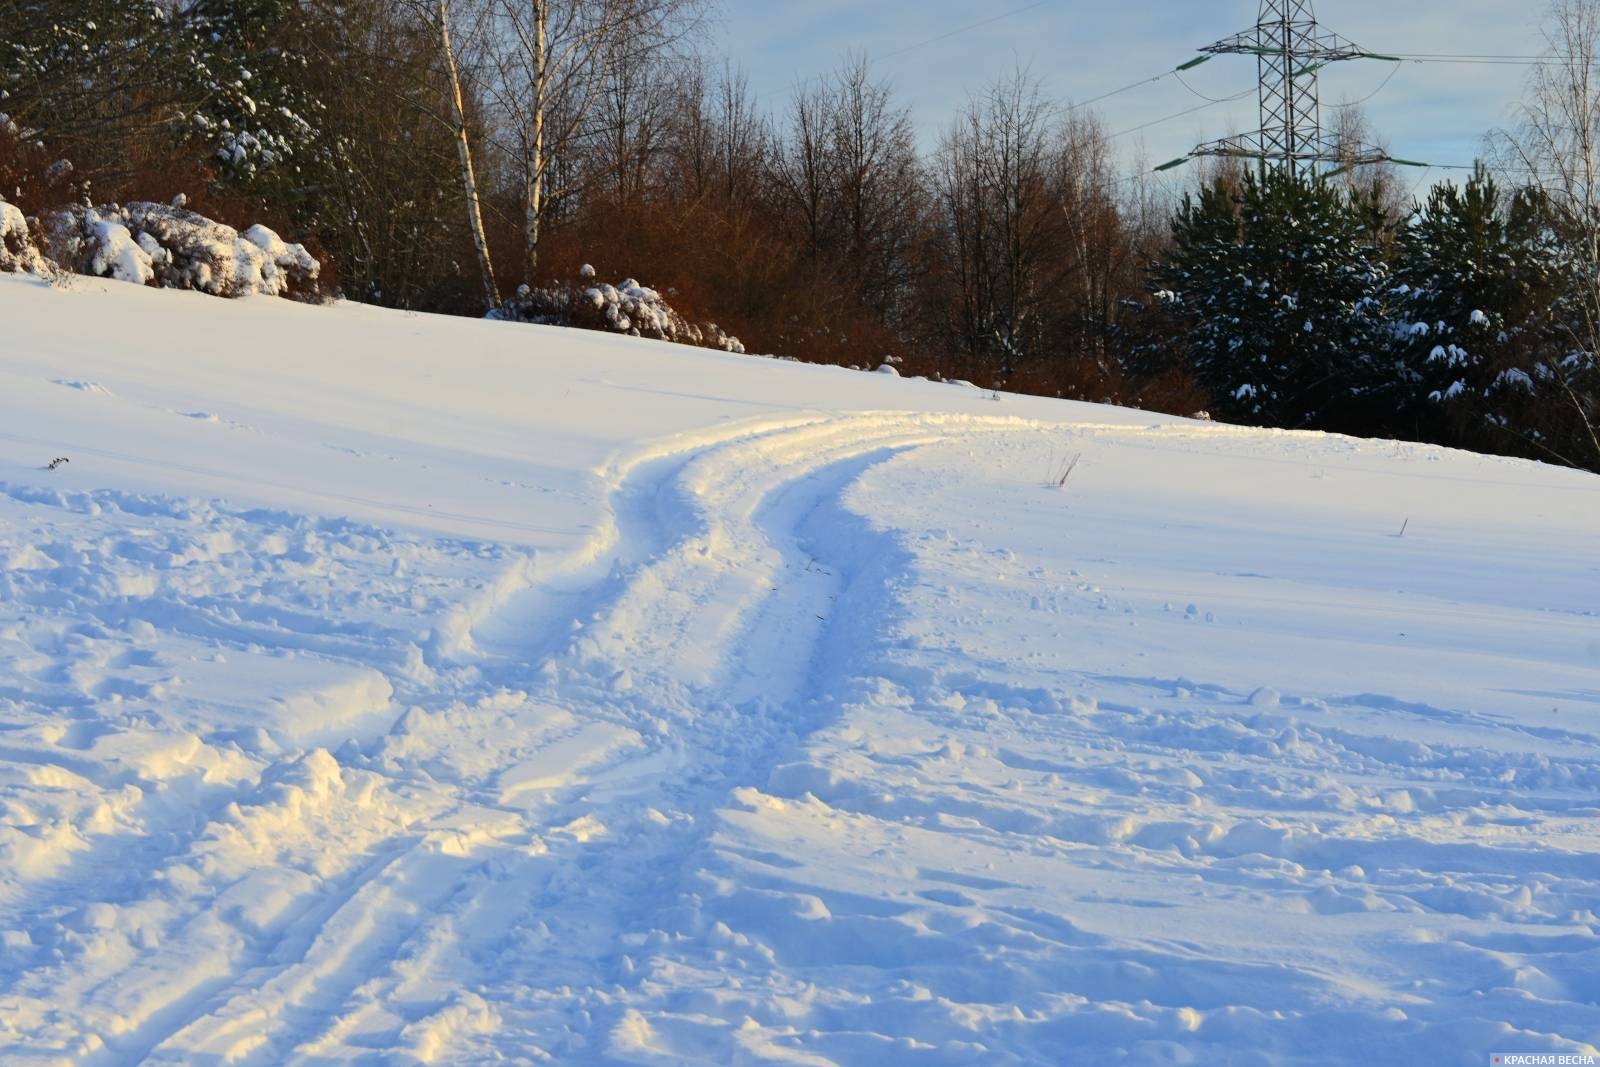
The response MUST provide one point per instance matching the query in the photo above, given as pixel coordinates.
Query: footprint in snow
(86, 387)
(211, 417)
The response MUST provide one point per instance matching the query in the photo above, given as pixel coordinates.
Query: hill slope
(386, 688)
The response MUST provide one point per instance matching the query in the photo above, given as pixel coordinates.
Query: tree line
(449, 155)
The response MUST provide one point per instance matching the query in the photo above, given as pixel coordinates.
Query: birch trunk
(469, 177)
(534, 196)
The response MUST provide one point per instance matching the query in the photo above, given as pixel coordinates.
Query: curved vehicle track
(585, 718)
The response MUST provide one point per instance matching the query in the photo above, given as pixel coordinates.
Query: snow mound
(172, 248)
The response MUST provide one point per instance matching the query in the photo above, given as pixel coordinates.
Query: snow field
(1133, 861)
(383, 689)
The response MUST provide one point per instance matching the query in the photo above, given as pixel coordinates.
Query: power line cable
(965, 29)
(1489, 61)
(1125, 89)
(1184, 82)
(1473, 55)
(1544, 57)
(1381, 87)
(1181, 114)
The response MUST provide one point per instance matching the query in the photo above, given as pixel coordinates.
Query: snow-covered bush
(629, 308)
(172, 248)
(18, 252)
(640, 311)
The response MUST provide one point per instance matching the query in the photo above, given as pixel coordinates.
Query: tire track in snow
(693, 620)
(742, 584)
(674, 639)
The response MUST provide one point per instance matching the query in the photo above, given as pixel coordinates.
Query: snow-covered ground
(379, 688)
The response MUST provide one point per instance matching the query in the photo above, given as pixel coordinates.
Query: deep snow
(380, 688)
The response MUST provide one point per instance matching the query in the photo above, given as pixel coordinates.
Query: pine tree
(1468, 287)
(1491, 310)
(1280, 284)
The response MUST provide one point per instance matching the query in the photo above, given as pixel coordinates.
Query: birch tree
(438, 14)
(554, 60)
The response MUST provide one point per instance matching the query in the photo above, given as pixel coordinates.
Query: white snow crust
(381, 688)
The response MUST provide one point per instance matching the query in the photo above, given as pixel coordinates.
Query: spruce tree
(75, 75)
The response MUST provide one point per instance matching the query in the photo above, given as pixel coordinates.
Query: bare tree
(718, 147)
(849, 182)
(878, 184)
(1002, 221)
(632, 127)
(553, 61)
(1100, 268)
(740, 139)
(803, 169)
(1555, 148)
(690, 144)
(1377, 183)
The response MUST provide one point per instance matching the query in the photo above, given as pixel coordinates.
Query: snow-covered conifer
(1279, 282)
(1491, 320)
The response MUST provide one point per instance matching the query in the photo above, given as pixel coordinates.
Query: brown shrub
(1173, 391)
(727, 265)
(31, 177)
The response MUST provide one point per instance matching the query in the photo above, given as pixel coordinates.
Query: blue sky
(1081, 48)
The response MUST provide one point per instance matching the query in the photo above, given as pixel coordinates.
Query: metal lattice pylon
(1291, 49)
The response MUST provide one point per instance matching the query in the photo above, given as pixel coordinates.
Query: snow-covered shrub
(640, 311)
(541, 307)
(629, 308)
(18, 252)
(172, 248)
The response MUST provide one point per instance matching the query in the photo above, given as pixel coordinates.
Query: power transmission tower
(1291, 49)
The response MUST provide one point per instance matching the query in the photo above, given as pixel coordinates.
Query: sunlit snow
(382, 688)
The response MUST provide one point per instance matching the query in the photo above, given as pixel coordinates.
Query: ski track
(555, 820)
